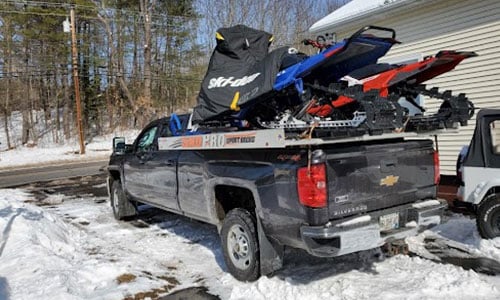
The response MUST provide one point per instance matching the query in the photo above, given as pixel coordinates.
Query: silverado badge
(389, 180)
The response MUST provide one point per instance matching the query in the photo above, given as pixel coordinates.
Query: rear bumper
(363, 232)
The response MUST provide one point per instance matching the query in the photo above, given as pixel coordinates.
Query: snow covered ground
(47, 151)
(70, 247)
(99, 148)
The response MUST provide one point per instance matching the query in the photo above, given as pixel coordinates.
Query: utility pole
(76, 82)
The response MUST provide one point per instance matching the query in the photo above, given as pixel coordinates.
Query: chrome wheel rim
(239, 248)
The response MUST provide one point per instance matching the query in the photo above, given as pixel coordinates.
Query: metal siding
(451, 25)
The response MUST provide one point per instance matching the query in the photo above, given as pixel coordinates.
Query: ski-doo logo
(222, 82)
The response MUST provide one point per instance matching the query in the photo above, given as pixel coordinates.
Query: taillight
(311, 184)
(436, 168)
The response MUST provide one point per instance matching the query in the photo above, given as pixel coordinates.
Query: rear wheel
(240, 246)
(122, 207)
(488, 217)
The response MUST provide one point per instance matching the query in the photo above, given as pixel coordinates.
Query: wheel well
(113, 176)
(492, 190)
(228, 197)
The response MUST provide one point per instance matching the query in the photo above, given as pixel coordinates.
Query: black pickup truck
(327, 198)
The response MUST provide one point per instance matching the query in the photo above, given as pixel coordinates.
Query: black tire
(240, 245)
(488, 217)
(122, 207)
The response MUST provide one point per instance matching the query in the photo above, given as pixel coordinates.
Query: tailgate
(367, 177)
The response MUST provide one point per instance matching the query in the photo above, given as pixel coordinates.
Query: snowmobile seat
(370, 70)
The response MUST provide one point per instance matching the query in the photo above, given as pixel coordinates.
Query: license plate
(389, 222)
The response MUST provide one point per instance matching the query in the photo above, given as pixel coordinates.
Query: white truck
(478, 171)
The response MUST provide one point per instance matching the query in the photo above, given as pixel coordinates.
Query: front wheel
(488, 217)
(122, 207)
(240, 245)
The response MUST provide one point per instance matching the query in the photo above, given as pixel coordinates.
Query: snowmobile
(392, 82)
(247, 87)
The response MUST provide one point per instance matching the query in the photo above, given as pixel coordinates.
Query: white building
(426, 26)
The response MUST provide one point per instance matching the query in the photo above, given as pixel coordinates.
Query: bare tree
(143, 57)
(7, 33)
(115, 70)
(288, 20)
(147, 8)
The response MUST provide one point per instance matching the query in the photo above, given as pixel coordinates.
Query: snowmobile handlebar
(319, 43)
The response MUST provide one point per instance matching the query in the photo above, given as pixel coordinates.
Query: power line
(86, 17)
(47, 4)
(67, 6)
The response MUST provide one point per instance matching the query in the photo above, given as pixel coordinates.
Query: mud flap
(271, 254)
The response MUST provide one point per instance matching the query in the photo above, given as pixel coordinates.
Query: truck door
(162, 178)
(151, 175)
(136, 169)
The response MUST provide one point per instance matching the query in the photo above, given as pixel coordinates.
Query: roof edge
(367, 15)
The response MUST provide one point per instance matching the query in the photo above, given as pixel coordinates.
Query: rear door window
(165, 130)
(495, 136)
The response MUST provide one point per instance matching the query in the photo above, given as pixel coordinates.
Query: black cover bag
(240, 70)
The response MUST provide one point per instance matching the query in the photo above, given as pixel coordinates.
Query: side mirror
(119, 145)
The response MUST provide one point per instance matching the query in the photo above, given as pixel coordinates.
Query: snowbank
(400, 277)
(41, 257)
(29, 232)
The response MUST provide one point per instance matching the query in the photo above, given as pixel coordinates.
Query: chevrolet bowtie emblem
(389, 180)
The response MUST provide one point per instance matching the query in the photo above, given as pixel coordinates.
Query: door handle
(143, 157)
(170, 162)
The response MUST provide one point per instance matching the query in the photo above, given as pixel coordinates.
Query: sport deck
(272, 138)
